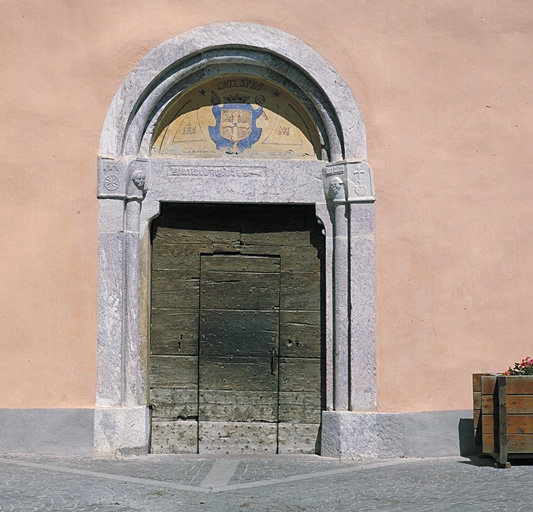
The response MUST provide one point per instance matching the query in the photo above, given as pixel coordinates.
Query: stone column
(336, 194)
(134, 387)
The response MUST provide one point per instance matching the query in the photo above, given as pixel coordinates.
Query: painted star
(276, 94)
(202, 92)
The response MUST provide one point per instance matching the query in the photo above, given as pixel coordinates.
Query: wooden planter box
(503, 415)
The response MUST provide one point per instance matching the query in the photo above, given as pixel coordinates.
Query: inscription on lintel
(206, 172)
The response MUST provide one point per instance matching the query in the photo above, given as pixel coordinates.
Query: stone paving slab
(282, 483)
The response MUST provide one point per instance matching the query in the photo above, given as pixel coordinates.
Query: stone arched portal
(330, 173)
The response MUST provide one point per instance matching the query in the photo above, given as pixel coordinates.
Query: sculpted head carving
(139, 180)
(335, 189)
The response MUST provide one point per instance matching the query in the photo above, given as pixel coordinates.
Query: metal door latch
(273, 360)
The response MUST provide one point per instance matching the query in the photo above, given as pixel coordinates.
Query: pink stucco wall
(444, 88)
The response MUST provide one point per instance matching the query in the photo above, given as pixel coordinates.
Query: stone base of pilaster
(121, 431)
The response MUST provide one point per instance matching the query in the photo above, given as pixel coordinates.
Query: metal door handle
(273, 361)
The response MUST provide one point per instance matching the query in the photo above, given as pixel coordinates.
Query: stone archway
(133, 183)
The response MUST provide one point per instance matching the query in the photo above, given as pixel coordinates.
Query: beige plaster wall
(444, 88)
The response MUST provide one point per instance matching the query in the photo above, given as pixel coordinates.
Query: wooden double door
(236, 350)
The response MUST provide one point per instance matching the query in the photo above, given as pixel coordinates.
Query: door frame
(132, 184)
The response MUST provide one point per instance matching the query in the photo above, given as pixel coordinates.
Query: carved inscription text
(181, 171)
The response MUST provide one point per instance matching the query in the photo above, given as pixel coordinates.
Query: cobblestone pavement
(238, 483)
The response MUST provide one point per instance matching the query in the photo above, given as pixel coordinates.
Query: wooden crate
(503, 415)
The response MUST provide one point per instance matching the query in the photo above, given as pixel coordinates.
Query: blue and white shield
(235, 126)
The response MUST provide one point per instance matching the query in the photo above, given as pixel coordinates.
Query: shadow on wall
(467, 445)
(437, 434)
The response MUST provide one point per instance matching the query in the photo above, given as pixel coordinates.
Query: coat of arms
(235, 126)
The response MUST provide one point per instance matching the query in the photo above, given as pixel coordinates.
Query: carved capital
(111, 177)
(359, 182)
(355, 178)
(123, 178)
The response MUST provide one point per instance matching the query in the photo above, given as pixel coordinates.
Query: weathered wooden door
(239, 336)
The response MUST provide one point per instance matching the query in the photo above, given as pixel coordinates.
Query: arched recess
(133, 182)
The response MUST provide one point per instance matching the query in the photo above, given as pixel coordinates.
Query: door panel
(175, 332)
(239, 290)
(221, 404)
(173, 371)
(239, 333)
(171, 436)
(236, 437)
(230, 263)
(300, 332)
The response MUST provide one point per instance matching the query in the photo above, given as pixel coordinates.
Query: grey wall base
(360, 435)
(47, 431)
(123, 431)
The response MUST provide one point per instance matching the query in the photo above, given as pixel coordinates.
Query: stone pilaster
(121, 389)
(348, 429)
